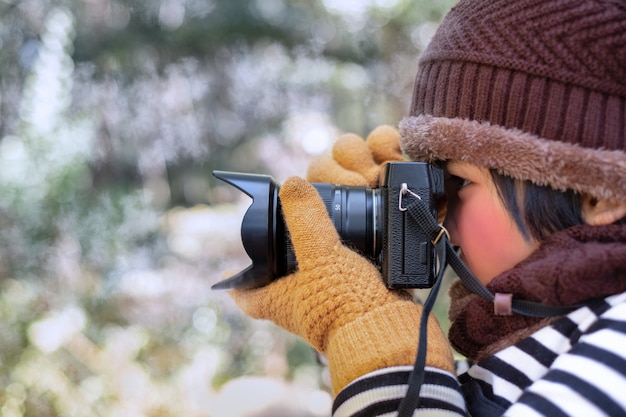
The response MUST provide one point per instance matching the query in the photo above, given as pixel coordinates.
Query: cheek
(489, 239)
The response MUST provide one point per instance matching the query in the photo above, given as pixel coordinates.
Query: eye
(457, 182)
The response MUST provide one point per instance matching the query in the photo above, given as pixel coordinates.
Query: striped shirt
(574, 367)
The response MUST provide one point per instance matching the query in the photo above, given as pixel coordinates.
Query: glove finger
(253, 302)
(312, 232)
(326, 169)
(266, 302)
(352, 153)
(384, 144)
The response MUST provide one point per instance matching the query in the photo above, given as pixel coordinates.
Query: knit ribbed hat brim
(595, 172)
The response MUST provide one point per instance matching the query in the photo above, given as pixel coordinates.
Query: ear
(601, 212)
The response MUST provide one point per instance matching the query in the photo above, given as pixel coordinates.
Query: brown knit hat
(533, 88)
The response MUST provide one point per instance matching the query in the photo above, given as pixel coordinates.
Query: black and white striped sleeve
(589, 380)
(379, 394)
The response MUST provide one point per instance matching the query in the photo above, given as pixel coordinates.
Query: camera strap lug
(404, 190)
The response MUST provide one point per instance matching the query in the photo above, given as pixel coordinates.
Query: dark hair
(538, 210)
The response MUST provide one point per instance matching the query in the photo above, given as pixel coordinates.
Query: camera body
(407, 258)
(373, 222)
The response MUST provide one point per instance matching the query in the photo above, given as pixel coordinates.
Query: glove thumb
(352, 153)
(384, 144)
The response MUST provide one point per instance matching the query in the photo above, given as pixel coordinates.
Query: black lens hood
(260, 226)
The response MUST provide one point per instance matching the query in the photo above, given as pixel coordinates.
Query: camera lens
(356, 213)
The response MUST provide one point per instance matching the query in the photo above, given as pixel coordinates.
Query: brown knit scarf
(571, 267)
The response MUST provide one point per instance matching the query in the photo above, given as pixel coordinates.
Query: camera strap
(447, 255)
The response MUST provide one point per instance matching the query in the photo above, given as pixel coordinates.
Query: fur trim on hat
(599, 173)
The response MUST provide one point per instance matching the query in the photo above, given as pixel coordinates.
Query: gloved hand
(355, 161)
(336, 300)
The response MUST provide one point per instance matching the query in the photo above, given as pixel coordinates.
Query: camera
(372, 221)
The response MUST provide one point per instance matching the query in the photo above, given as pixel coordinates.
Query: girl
(524, 104)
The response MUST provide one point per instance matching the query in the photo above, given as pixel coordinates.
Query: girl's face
(478, 222)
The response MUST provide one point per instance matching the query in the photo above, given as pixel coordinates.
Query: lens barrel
(356, 213)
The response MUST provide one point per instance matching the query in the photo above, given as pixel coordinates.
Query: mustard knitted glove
(337, 301)
(355, 161)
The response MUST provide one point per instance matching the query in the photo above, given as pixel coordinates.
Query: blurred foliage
(113, 113)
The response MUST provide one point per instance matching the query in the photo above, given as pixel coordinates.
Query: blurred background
(113, 114)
